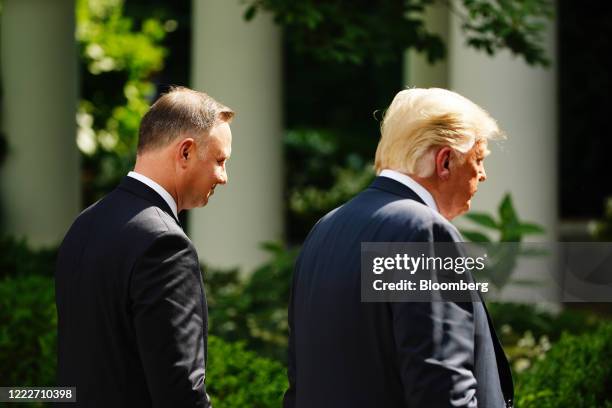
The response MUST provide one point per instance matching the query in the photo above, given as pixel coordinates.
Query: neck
(432, 185)
(156, 167)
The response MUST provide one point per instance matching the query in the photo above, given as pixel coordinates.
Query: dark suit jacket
(347, 353)
(132, 314)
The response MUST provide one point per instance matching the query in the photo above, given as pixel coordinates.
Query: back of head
(180, 112)
(419, 120)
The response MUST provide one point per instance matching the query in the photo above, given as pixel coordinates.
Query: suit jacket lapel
(142, 190)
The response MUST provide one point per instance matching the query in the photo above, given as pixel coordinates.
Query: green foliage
(27, 331)
(310, 153)
(602, 230)
(575, 373)
(570, 373)
(348, 181)
(502, 258)
(527, 331)
(118, 60)
(508, 226)
(325, 173)
(17, 258)
(516, 25)
(238, 378)
(365, 29)
(254, 309)
(381, 30)
(527, 317)
(110, 43)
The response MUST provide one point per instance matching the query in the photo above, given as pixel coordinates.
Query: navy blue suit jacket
(347, 353)
(132, 314)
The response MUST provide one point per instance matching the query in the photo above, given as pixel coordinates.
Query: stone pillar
(239, 64)
(418, 72)
(40, 179)
(523, 99)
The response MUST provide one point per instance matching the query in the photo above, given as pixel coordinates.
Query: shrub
(254, 309)
(239, 378)
(575, 373)
(527, 331)
(17, 258)
(28, 324)
(516, 318)
(27, 331)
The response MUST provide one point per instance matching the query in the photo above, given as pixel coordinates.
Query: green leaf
(250, 13)
(529, 228)
(507, 212)
(482, 219)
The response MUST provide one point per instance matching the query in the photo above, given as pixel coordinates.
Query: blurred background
(309, 80)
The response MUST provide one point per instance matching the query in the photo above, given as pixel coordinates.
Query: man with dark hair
(132, 314)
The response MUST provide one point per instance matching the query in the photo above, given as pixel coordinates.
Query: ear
(443, 157)
(185, 151)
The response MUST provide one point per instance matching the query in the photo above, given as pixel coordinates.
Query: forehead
(481, 148)
(220, 139)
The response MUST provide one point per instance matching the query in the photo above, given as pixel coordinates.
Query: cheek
(209, 174)
(474, 178)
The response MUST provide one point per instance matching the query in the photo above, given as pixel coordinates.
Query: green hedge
(17, 258)
(236, 377)
(27, 331)
(513, 319)
(576, 372)
(239, 378)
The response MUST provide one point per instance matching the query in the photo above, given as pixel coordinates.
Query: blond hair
(419, 120)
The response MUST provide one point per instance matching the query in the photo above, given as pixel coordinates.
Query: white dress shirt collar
(158, 189)
(413, 185)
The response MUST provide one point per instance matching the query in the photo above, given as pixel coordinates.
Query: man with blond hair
(347, 353)
(132, 314)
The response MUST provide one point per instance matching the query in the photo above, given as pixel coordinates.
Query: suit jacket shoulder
(398, 213)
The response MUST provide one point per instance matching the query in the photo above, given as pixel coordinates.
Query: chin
(462, 210)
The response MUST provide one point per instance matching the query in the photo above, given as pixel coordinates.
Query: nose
(223, 177)
(483, 175)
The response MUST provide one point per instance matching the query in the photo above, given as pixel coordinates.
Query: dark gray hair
(181, 111)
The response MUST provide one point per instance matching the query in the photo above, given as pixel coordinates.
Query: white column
(40, 179)
(523, 99)
(418, 72)
(239, 64)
